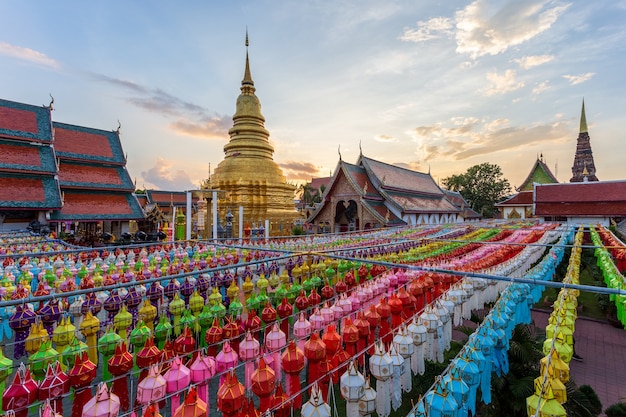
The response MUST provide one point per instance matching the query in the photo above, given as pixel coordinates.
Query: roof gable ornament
(365, 188)
(360, 149)
(339, 151)
(50, 106)
(119, 127)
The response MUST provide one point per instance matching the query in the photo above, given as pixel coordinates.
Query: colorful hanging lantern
(293, 364)
(373, 318)
(90, 327)
(232, 330)
(54, 386)
(263, 382)
(176, 309)
(352, 384)
(6, 368)
(21, 393)
(193, 406)
(177, 378)
(152, 388)
(39, 361)
(301, 330)
(201, 371)
(284, 310)
(147, 314)
(350, 337)
(367, 402)
(364, 331)
(213, 336)
(315, 352)
(249, 350)
(185, 344)
(38, 334)
(226, 359)
(230, 395)
(404, 347)
(81, 375)
(122, 321)
(418, 332)
(148, 355)
(104, 404)
(48, 411)
(163, 330)
(441, 401)
(119, 365)
(20, 322)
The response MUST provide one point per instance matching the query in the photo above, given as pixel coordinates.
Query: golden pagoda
(248, 174)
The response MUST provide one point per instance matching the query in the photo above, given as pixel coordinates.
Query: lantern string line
(563, 239)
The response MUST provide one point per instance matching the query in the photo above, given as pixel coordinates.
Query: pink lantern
(48, 411)
(201, 370)
(104, 404)
(355, 301)
(327, 314)
(177, 378)
(302, 330)
(152, 388)
(249, 350)
(226, 359)
(317, 320)
(275, 340)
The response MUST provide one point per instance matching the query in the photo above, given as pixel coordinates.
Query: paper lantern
(20, 322)
(230, 395)
(293, 363)
(177, 378)
(119, 365)
(381, 366)
(90, 327)
(543, 404)
(249, 350)
(38, 334)
(374, 320)
(192, 406)
(54, 386)
(350, 336)
(352, 384)
(152, 388)
(263, 382)
(185, 343)
(6, 368)
(404, 346)
(232, 330)
(314, 351)
(48, 411)
(441, 401)
(367, 402)
(275, 340)
(280, 404)
(301, 330)
(39, 361)
(213, 336)
(331, 339)
(226, 359)
(163, 330)
(284, 310)
(201, 371)
(81, 375)
(148, 355)
(122, 321)
(396, 381)
(104, 404)
(315, 407)
(21, 393)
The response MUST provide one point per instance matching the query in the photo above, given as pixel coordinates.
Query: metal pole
(214, 201)
(188, 225)
(240, 224)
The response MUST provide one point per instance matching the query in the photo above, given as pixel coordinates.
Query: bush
(616, 410)
(595, 405)
(297, 231)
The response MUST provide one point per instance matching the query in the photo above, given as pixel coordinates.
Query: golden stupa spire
(583, 119)
(247, 77)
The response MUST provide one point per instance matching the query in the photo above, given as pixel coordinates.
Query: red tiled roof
(74, 175)
(19, 120)
(165, 198)
(396, 178)
(422, 204)
(606, 198)
(318, 182)
(523, 198)
(25, 189)
(93, 206)
(84, 143)
(19, 155)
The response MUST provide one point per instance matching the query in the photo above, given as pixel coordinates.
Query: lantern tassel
(406, 376)
(396, 395)
(383, 393)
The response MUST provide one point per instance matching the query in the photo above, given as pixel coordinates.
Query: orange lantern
(213, 336)
(293, 363)
(384, 310)
(315, 352)
(263, 381)
(230, 395)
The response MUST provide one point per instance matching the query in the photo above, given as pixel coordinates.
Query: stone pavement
(603, 349)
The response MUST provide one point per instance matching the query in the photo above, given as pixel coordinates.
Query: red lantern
(340, 362)
(384, 310)
(332, 340)
(232, 331)
(302, 302)
(268, 314)
(81, 375)
(407, 305)
(230, 395)
(21, 393)
(327, 291)
(350, 336)
(185, 344)
(364, 331)
(293, 363)
(416, 288)
(395, 307)
(213, 336)
(314, 298)
(55, 384)
(192, 406)
(279, 403)
(119, 365)
(147, 356)
(315, 352)
(167, 354)
(263, 381)
(325, 369)
(284, 310)
(374, 319)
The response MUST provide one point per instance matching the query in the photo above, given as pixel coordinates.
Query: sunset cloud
(502, 83)
(532, 61)
(299, 170)
(578, 79)
(163, 177)
(29, 55)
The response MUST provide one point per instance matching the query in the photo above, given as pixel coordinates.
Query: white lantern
(352, 384)
(418, 332)
(367, 402)
(404, 346)
(381, 366)
(315, 407)
(396, 381)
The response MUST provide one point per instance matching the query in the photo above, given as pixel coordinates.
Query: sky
(426, 85)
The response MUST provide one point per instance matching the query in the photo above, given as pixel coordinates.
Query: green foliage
(581, 401)
(481, 185)
(297, 231)
(616, 410)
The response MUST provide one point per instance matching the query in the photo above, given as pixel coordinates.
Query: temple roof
(357, 175)
(25, 122)
(459, 202)
(166, 198)
(81, 205)
(523, 198)
(540, 174)
(87, 144)
(415, 203)
(94, 177)
(391, 177)
(382, 212)
(17, 156)
(593, 199)
(32, 191)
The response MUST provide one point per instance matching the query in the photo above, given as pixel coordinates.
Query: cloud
(541, 87)
(454, 142)
(191, 119)
(502, 83)
(487, 29)
(163, 177)
(384, 138)
(528, 62)
(299, 170)
(578, 79)
(434, 28)
(27, 54)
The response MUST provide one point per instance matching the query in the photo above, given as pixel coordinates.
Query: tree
(481, 185)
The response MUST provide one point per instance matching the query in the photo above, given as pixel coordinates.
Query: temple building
(372, 194)
(583, 168)
(520, 205)
(248, 177)
(71, 177)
